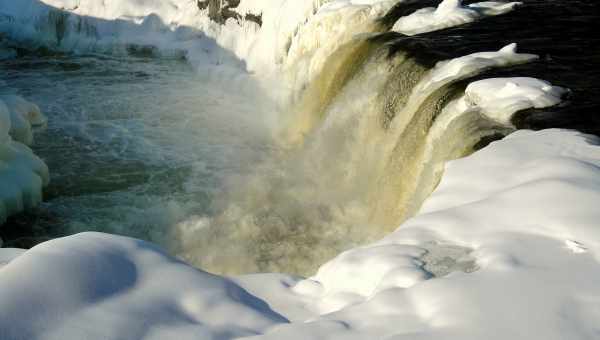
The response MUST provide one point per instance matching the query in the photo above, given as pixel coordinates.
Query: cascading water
(369, 121)
(364, 147)
(135, 144)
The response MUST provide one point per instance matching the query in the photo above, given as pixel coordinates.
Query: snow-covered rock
(500, 98)
(22, 174)
(507, 247)
(23, 116)
(450, 13)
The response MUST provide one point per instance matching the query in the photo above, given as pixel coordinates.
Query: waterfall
(362, 146)
(369, 111)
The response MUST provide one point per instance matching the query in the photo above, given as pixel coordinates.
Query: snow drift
(506, 247)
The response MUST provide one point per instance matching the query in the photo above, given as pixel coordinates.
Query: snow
(500, 98)
(8, 254)
(450, 13)
(507, 247)
(336, 5)
(23, 116)
(172, 27)
(105, 287)
(297, 35)
(516, 205)
(22, 174)
(520, 213)
(334, 24)
(179, 28)
(470, 64)
(447, 71)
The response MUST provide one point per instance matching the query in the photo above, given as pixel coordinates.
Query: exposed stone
(222, 10)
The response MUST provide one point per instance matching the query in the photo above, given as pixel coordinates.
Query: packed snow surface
(506, 247)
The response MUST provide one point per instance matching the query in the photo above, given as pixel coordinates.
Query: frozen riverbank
(519, 241)
(306, 143)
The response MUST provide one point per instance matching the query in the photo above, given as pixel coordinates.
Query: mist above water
(146, 147)
(135, 144)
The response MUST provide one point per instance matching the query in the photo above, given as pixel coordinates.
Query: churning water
(135, 145)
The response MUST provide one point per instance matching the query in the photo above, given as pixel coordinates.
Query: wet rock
(222, 10)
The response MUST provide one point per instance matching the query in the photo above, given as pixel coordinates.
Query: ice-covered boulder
(23, 115)
(22, 173)
(450, 13)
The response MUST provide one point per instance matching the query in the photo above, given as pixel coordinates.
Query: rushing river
(134, 145)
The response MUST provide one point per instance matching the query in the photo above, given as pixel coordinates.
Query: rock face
(221, 10)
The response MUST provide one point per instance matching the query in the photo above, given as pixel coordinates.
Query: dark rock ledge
(221, 10)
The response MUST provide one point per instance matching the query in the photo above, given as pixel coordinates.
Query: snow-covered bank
(167, 28)
(22, 174)
(448, 14)
(514, 225)
(294, 35)
(355, 94)
(290, 47)
(172, 27)
(507, 247)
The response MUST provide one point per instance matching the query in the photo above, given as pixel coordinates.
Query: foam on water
(143, 148)
(135, 145)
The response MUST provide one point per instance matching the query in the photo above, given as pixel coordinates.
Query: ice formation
(349, 164)
(23, 116)
(448, 14)
(22, 174)
(500, 98)
(506, 247)
(351, 109)
(523, 210)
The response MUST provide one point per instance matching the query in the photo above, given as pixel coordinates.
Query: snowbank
(506, 247)
(296, 37)
(22, 174)
(181, 28)
(170, 27)
(514, 224)
(500, 98)
(449, 13)
(105, 287)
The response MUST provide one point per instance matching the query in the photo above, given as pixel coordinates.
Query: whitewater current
(144, 146)
(136, 144)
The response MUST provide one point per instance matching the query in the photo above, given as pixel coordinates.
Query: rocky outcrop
(221, 10)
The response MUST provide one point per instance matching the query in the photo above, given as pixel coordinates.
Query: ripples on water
(134, 145)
